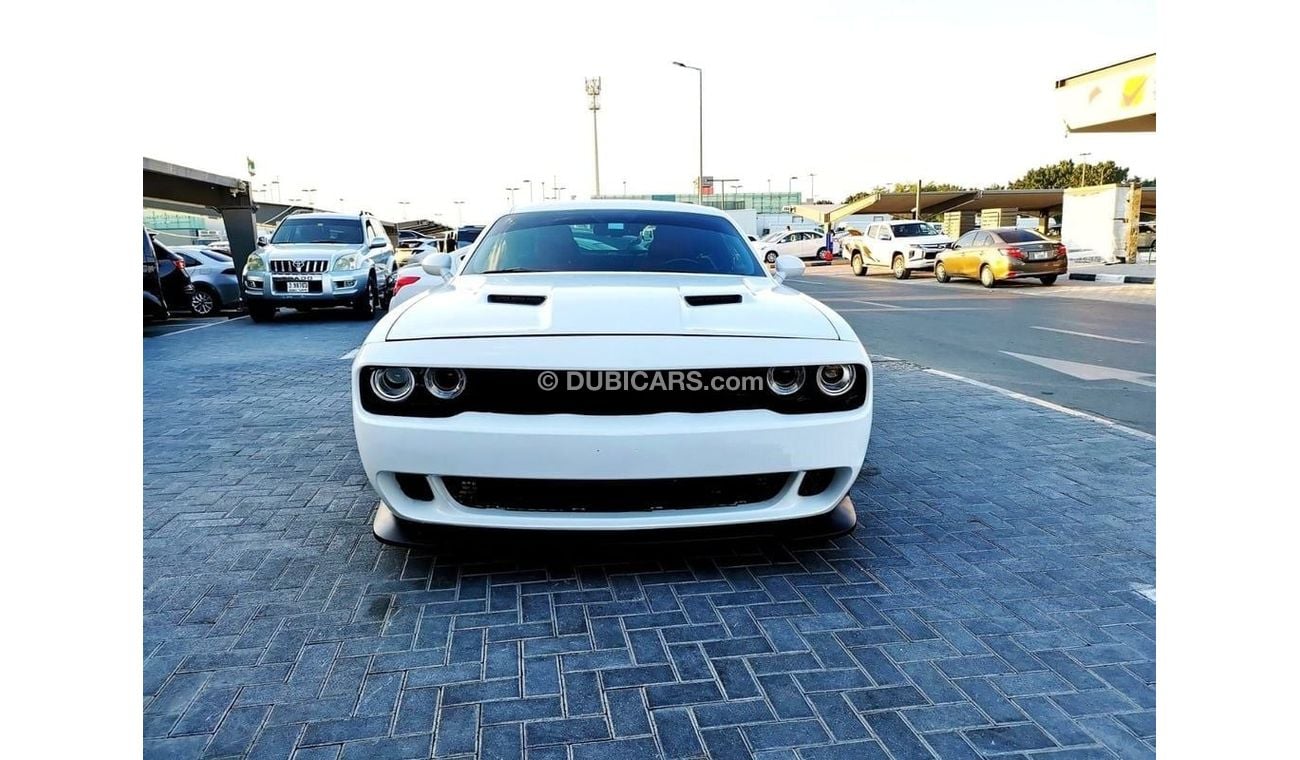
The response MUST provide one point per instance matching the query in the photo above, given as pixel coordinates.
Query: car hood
(612, 304)
(304, 250)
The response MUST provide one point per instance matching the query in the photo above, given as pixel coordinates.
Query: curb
(1128, 279)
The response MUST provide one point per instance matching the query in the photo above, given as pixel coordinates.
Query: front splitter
(393, 530)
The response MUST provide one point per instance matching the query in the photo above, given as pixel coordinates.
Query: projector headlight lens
(392, 383)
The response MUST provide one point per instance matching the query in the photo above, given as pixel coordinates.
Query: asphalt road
(1085, 346)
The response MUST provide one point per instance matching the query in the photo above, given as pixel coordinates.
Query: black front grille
(515, 391)
(299, 266)
(614, 495)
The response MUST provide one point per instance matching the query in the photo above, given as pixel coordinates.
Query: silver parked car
(216, 285)
(319, 259)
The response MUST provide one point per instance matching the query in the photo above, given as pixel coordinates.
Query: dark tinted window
(912, 229)
(614, 240)
(218, 255)
(982, 240)
(148, 248)
(467, 235)
(191, 261)
(1019, 236)
(341, 231)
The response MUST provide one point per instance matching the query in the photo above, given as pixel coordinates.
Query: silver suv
(316, 260)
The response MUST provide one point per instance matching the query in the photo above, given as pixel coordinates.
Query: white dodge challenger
(611, 365)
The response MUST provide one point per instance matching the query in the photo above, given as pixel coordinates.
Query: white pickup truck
(900, 244)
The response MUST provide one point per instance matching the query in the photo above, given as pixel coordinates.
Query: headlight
(348, 262)
(836, 379)
(445, 384)
(392, 383)
(784, 381)
(255, 263)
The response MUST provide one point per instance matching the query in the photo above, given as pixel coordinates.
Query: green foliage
(1069, 174)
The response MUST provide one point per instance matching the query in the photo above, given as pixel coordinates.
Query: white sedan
(804, 244)
(611, 365)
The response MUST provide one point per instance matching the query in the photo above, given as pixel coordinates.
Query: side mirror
(886, 236)
(787, 267)
(378, 241)
(437, 264)
(262, 241)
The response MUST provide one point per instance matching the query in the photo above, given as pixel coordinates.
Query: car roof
(629, 205)
(325, 215)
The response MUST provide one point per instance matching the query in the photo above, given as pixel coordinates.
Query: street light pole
(789, 186)
(460, 213)
(512, 190)
(812, 187)
(593, 90)
(1085, 156)
(529, 182)
(699, 179)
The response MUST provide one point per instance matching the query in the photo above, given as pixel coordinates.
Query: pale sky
(429, 103)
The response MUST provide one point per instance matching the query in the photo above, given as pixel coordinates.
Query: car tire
(941, 272)
(364, 306)
(859, 269)
(770, 257)
(261, 312)
(901, 272)
(205, 302)
(1048, 279)
(986, 277)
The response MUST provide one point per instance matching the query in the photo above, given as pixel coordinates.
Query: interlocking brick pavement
(985, 605)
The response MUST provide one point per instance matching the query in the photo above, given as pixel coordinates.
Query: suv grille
(299, 266)
(614, 495)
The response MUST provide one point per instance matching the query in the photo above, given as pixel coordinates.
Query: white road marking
(1086, 371)
(862, 302)
(892, 309)
(1046, 404)
(200, 327)
(1086, 335)
(1148, 591)
(350, 354)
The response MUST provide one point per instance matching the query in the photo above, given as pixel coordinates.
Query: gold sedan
(1004, 253)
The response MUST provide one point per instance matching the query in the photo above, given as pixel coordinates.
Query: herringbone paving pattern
(985, 606)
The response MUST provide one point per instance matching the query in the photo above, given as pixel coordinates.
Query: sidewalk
(1139, 274)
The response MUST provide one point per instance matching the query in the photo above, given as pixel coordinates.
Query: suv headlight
(255, 263)
(348, 262)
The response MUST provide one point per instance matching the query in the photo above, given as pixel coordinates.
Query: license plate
(297, 287)
(1043, 255)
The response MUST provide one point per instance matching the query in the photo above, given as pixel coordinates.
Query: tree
(905, 187)
(1069, 174)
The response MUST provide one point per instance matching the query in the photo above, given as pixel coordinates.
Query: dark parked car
(216, 286)
(155, 305)
(178, 291)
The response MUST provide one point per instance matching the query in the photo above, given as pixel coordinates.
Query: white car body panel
(610, 321)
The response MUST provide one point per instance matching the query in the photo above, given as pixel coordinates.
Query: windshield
(913, 229)
(340, 231)
(614, 240)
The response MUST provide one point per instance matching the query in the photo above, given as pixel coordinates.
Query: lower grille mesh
(614, 495)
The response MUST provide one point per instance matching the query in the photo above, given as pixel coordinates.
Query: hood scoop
(516, 299)
(713, 300)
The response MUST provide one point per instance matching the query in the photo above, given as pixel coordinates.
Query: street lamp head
(679, 63)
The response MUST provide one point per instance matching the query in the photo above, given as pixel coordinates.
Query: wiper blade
(511, 270)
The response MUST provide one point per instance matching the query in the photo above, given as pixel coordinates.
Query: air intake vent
(516, 299)
(713, 300)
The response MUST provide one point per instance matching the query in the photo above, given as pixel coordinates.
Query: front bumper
(578, 447)
(330, 288)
